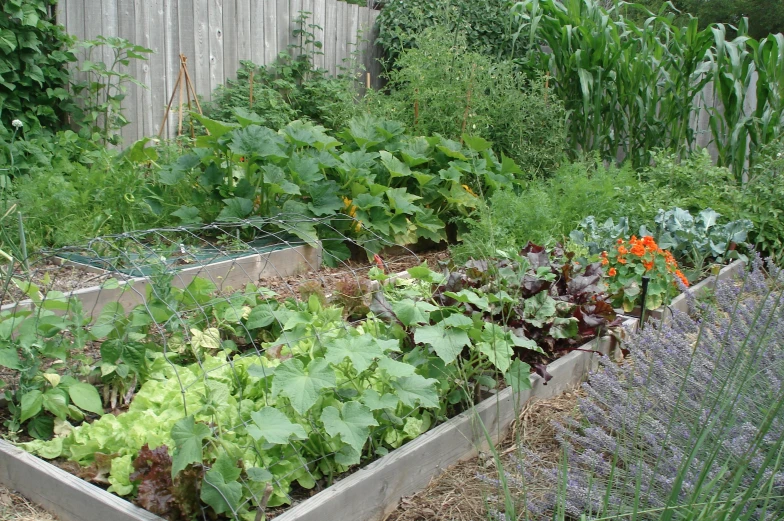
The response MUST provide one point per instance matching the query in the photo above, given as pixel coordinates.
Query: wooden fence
(214, 35)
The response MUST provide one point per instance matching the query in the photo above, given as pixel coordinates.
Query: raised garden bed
(463, 294)
(232, 273)
(366, 495)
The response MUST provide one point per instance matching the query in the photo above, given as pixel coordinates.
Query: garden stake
(546, 86)
(251, 89)
(23, 242)
(263, 503)
(416, 108)
(468, 103)
(645, 281)
(189, 89)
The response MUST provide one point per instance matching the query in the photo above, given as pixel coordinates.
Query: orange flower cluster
(639, 248)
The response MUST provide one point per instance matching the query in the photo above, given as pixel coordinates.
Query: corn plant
(633, 88)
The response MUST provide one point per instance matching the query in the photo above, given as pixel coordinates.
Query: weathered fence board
(214, 35)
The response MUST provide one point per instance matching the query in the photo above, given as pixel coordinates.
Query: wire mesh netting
(238, 363)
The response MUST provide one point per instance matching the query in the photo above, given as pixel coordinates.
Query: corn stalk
(632, 89)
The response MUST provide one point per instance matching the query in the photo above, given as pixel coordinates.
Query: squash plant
(399, 188)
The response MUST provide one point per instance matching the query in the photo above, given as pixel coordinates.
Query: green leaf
(324, 198)
(55, 300)
(539, 309)
(257, 141)
(259, 371)
(216, 128)
(188, 439)
(422, 272)
(188, 215)
(361, 350)
(132, 353)
(223, 497)
(411, 312)
(416, 391)
(9, 358)
(519, 376)
(55, 402)
(262, 315)
(376, 402)
(86, 397)
(496, 345)
(447, 342)
(302, 388)
(395, 166)
(351, 423)
(236, 208)
(31, 404)
(564, 328)
(41, 427)
(469, 296)
(259, 475)
(401, 201)
(274, 426)
(476, 143)
(395, 368)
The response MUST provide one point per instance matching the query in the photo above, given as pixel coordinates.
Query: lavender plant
(690, 427)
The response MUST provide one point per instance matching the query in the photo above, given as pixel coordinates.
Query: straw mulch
(460, 493)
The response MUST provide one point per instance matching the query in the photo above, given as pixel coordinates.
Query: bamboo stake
(546, 86)
(251, 89)
(179, 115)
(168, 107)
(367, 80)
(468, 103)
(416, 107)
(190, 83)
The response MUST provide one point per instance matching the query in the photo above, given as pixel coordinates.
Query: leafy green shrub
(33, 59)
(98, 112)
(692, 183)
(442, 87)
(288, 89)
(270, 107)
(763, 202)
(695, 240)
(545, 210)
(486, 24)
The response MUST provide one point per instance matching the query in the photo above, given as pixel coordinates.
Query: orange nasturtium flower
(612, 272)
(622, 250)
(648, 265)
